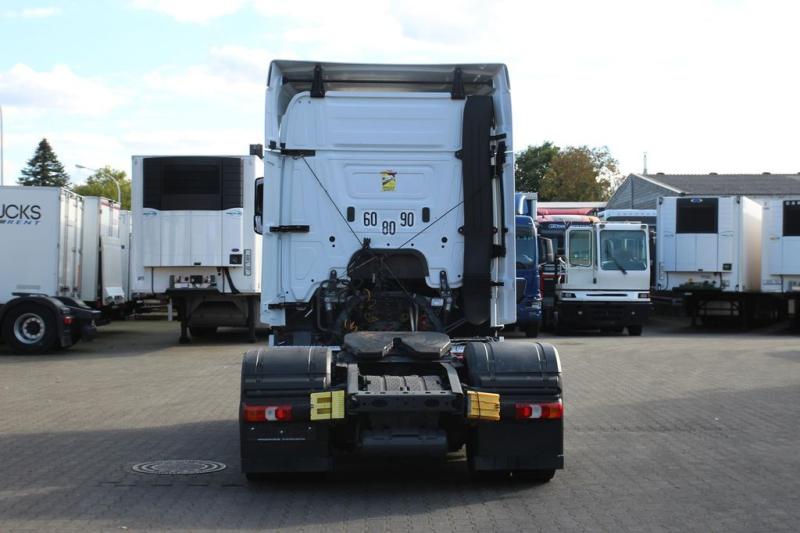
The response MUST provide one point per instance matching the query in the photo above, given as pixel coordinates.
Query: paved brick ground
(676, 430)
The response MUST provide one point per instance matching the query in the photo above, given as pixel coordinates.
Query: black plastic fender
(520, 372)
(283, 369)
(518, 367)
(285, 375)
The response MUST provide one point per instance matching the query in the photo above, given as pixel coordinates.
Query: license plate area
(388, 222)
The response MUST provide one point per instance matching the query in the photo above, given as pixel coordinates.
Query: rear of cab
(376, 162)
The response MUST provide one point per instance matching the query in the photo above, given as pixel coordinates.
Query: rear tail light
(267, 413)
(67, 320)
(540, 411)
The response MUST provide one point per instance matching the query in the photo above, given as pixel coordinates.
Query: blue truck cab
(529, 296)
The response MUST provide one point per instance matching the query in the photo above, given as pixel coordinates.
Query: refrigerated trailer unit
(389, 256)
(41, 266)
(780, 259)
(709, 252)
(194, 239)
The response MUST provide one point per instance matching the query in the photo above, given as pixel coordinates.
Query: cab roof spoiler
(460, 79)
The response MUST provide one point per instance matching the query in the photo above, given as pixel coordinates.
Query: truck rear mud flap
(529, 437)
(275, 410)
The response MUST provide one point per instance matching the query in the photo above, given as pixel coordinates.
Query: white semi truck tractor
(604, 278)
(388, 269)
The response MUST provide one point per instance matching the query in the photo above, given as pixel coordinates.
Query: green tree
(44, 169)
(581, 174)
(531, 164)
(101, 183)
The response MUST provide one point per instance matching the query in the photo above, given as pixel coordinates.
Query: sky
(701, 85)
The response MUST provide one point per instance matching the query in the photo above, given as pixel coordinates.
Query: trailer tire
(635, 331)
(202, 331)
(30, 328)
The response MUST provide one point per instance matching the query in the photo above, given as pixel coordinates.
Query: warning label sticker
(388, 180)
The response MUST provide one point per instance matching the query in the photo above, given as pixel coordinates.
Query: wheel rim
(29, 328)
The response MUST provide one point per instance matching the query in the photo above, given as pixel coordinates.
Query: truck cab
(604, 278)
(529, 296)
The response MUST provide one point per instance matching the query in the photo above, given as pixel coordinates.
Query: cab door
(580, 259)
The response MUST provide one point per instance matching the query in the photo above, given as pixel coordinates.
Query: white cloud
(39, 12)
(240, 63)
(201, 82)
(59, 88)
(194, 11)
(211, 141)
(33, 12)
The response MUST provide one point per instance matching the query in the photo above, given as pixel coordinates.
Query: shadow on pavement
(86, 475)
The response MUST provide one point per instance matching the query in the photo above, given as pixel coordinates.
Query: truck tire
(532, 331)
(30, 329)
(635, 331)
(202, 331)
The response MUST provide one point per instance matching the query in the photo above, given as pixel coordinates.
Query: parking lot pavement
(675, 430)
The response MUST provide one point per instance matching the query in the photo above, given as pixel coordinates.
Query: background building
(641, 191)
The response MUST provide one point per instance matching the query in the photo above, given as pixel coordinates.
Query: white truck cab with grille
(605, 278)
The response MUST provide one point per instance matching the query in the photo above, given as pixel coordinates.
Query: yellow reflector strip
(327, 405)
(483, 406)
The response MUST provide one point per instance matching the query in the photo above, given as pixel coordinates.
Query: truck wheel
(532, 331)
(30, 329)
(635, 331)
(202, 331)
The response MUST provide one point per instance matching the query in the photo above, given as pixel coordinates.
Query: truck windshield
(623, 250)
(526, 248)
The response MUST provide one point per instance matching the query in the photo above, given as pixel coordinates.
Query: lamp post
(119, 190)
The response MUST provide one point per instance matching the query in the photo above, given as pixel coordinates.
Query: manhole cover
(178, 467)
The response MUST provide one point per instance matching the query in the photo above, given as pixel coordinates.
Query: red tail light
(540, 411)
(67, 320)
(267, 413)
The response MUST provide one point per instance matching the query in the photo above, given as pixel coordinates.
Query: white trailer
(780, 253)
(604, 279)
(709, 252)
(102, 271)
(194, 239)
(41, 266)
